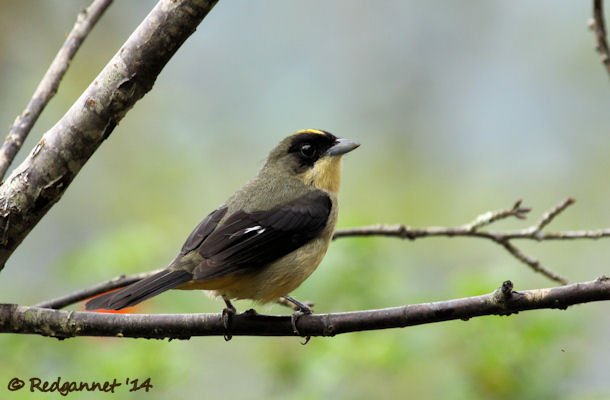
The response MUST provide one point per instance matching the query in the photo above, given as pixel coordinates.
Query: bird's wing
(246, 241)
(203, 230)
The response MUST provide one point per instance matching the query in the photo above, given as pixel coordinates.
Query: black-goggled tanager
(266, 239)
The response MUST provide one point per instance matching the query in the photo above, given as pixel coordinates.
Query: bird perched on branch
(266, 239)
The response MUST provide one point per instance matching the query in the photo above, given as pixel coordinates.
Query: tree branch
(38, 183)
(535, 232)
(47, 87)
(598, 25)
(503, 301)
(531, 233)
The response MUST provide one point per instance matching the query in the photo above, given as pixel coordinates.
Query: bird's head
(313, 156)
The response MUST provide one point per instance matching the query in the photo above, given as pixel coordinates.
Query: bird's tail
(140, 291)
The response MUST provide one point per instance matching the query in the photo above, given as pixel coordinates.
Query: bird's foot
(227, 317)
(293, 320)
(300, 309)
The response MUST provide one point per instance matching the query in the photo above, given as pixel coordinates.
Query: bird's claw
(227, 319)
(295, 317)
(300, 309)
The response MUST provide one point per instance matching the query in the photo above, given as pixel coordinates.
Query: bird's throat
(325, 174)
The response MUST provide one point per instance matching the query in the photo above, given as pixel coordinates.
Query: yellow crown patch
(316, 131)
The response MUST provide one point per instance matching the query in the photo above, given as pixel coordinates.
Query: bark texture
(39, 182)
(502, 301)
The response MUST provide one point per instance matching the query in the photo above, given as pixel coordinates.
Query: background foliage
(460, 108)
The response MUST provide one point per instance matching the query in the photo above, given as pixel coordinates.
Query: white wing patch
(257, 229)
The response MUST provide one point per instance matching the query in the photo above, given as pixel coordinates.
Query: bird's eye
(308, 151)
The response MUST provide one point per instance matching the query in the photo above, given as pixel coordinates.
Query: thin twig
(598, 25)
(550, 215)
(492, 216)
(531, 233)
(49, 84)
(533, 263)
(406, 232)
(473, 229)
(503, 301)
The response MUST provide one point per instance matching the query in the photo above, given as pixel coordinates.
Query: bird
(265, 239)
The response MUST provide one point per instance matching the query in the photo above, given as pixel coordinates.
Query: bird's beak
(341, 147)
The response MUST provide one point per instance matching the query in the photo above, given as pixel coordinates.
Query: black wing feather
(247, 241)
(203, 230)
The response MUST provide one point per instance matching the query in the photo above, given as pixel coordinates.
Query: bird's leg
(300, 309)
(227, 316)
(287, 303)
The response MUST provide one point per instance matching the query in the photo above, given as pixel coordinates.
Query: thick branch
(503, 301)
(50, 82)
(38, 183)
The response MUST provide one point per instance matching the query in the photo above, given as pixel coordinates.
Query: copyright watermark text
(65, 387)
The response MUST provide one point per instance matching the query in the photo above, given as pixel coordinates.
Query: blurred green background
(461, 107)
